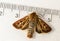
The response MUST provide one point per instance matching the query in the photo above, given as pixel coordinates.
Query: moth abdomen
(30, 32)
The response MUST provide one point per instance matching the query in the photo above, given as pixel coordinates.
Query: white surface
(9, 33)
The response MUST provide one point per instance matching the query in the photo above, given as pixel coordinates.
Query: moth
(32, 23)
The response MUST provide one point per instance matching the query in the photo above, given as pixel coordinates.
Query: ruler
(41, 11)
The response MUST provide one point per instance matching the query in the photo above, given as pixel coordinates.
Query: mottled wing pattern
(22, 23)
(42, 27)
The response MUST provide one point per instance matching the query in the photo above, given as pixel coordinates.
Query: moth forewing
(18, 24)
(38, 28)
(44, 26)
(25, 25)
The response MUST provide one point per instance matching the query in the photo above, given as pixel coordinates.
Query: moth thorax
(32, 24)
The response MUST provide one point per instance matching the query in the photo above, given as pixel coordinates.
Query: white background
(9, 33)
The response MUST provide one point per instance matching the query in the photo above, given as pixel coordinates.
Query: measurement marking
(50, 19)
(28, 8)
(41, 11)
(0, 13)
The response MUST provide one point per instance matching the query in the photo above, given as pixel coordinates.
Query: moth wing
(38, 27)
(20, 23)
(44, 26)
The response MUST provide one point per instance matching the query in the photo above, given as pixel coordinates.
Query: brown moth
(33, 23)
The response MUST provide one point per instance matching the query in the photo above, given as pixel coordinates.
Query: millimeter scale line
(29, 8)
(42, 11)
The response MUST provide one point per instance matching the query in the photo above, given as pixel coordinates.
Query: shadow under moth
(32, 23)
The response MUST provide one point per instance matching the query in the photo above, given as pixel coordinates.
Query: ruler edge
(12, 7)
